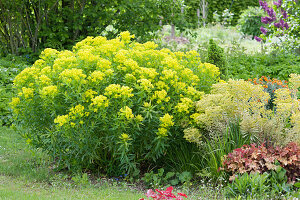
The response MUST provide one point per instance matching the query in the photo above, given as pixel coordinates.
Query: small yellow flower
(139, 118)
(125, 137)
(127, 112)
(89, 94)
(145, 84)
(147, 105)
(15, 101)
(166, 121)
(184, 105)
(160, 96)
(99, 101)
(61, 120)
(96, 76)
(162, 132)
(125, 36)
(48, 91)
(27, 92)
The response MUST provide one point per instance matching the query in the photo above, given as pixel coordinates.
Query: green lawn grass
(25, 174)
(14, 188)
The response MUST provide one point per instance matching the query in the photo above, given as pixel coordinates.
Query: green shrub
(250, 21)
(244, 66)
(239, 99)
(114, 105)
(9, 68)
(215, 55)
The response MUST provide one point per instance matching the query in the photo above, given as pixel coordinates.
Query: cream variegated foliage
(243, 101)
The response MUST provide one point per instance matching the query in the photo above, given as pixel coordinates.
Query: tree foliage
(26, 26)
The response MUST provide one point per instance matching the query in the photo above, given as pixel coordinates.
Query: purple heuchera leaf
(258, 39)
(263, 30)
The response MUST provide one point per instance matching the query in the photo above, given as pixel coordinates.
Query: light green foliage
(235, 7)
(261, 186)
(81, 180)
(163, 179)
(253, 186)
(250, 21)
(241, 100)
(214, 150)
(109, 104)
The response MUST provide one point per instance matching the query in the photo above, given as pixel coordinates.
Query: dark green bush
(9, 68)
(275, 65)
(250, 21)
(215, 55)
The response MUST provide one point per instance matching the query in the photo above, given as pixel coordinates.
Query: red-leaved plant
(168, 195)
(250, 158)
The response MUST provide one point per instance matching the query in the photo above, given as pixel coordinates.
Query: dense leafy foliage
(215, 148)
(240, 100)
(250, 21)
(276, 65)
(270, 86)
(281, 25)
(162, 178)
(112, 104)
(253, 186)
(215, 55)
(29, 26)
(250, 158)
(236, 7)
(9, 68)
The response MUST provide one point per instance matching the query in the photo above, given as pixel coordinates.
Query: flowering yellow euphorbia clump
(105, 88)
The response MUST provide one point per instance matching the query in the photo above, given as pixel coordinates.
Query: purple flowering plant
(275, 21)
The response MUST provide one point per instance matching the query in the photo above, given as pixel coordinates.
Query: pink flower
(164, 195)
(182, 194)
